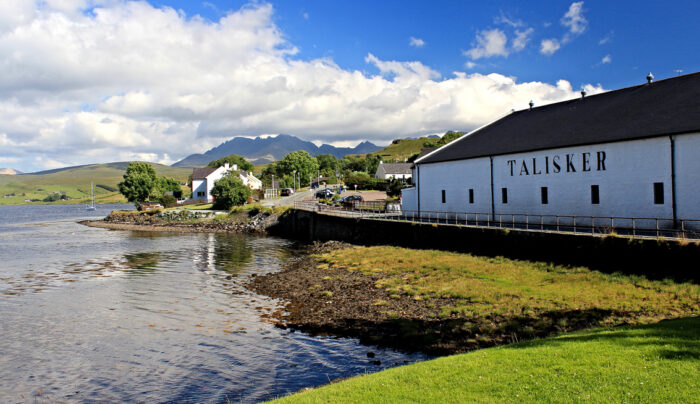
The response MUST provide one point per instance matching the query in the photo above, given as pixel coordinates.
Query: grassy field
(403, 149)
(657, 363)
(75, 183)
(504, 292)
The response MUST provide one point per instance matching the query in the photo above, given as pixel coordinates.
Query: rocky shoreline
(325, 301)
(189, 222)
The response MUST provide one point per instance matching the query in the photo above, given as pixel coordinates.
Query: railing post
(634, 228)
(557, 222)
(657, 227)
(592, 226)
(541, 222)
(574, 224)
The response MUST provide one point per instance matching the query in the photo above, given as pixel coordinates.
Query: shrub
(229, 191)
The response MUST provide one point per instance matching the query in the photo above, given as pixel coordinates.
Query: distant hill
(265, 150)
(402, 149)
(75, 182)
(9, 171)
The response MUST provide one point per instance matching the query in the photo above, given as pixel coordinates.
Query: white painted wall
(456, 178)
(626, 184)
(688, 176)
(199, 186)
(409, 201)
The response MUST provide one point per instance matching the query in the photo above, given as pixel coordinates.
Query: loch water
(90, 314)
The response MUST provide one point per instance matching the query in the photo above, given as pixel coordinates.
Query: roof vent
(650, 78)
(583, 93)
(531, 104)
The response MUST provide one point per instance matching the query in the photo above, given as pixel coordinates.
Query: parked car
(286, 192)
(352, 198)
(324, 193)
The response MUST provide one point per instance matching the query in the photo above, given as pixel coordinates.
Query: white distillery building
(390, 171)
(203, 180)
(633, 152)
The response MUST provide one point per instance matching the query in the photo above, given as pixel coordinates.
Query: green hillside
(401, 149)
(74, 182)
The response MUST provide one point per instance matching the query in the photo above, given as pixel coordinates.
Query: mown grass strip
(657, 363)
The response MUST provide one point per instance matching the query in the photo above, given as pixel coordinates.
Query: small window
(544, 195)
(471, 195)
(659, 193)
(443, 196)
(504, 195)
(595, 195)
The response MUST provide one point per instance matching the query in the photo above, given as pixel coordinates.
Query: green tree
(328, 164)
(361, 179)
(394, 188)
(139, 181)
(449, 136)
(232, 159)
(229, 191)
(301, 161)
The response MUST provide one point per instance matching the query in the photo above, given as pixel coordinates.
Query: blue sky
(90, 81)
(638, 36)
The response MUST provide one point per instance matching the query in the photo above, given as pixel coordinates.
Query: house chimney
(531, 104)
(650, 78)
(226, 166)
(583, 93)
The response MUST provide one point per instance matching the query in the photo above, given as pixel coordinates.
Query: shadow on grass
(448, 336)
(677, 339)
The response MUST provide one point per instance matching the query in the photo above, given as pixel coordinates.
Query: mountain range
(266, 150)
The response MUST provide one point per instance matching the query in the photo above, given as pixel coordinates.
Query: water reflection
(185, 329)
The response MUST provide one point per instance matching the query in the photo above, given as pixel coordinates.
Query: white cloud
(417, 42)
(607, 38)
(489, 43)
(574, 19)
(469, 64)
(128, 80)
(606, 59)
(521, 39)
(576, 24)
(504, 19)
(549, 46)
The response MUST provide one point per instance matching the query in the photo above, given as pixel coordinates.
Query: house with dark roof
(632, 152)
(390, 171)
(203, 180)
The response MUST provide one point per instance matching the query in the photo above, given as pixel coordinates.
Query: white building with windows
(390, 171)
(633, 152)
(203, 180)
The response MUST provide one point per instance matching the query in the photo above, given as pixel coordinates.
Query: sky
(94, 81)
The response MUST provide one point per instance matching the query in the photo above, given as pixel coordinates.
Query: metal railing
(636, 227)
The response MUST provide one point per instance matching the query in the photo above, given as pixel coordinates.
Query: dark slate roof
(397, 168)
(202, 173)
(665, 107)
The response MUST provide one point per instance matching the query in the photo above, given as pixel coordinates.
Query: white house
(389, 171)
(203, 180)
(628, 153)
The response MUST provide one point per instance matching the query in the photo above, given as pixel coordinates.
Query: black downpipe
(493, 208)
(673, 180)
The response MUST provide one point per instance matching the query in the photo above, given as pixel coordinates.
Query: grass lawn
(657, 363)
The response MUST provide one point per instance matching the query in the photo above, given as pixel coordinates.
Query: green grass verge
(657, 363)
(504, 290)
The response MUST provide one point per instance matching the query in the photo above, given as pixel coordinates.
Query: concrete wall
(625, 173)
(654, 259)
